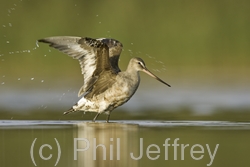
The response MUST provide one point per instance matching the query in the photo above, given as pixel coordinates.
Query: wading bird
(105, 86)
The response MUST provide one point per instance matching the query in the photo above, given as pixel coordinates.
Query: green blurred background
(201, 48)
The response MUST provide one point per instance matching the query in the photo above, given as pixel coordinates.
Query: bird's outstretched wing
(115, 49)
(95, 56)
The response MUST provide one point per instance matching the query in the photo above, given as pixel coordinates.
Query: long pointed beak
(154, 76)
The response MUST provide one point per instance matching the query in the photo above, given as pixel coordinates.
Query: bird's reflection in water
(102, 144)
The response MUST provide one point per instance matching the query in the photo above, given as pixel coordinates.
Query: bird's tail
(69, 111)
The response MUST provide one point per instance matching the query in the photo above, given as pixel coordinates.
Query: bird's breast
(123, 89)
(118, 93)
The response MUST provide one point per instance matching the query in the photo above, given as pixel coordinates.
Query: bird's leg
(107, 119)
(96, 117)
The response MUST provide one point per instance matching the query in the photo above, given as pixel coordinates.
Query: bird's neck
(132, 72)
(132, 75)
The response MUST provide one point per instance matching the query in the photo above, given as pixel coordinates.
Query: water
(200, 101)
(124, 143)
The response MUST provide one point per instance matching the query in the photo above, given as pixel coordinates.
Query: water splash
(37, 44)
(11, 9)
(155, 70)
(164, 69)
(157, 61)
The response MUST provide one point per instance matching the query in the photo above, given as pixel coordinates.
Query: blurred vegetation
(202, 39)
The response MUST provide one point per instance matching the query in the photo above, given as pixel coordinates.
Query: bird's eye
(139, 62)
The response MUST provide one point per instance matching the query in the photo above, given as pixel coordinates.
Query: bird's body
(105, 86)
(116, 95)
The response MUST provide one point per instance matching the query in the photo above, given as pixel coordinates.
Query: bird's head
(139, 65)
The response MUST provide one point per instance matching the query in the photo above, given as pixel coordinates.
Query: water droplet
(97, 15)
(42, 81)
(75, 4)
(49, 50)
(132, 44)
(19, 79)
(159, 62)
(37, 44)
(100, 22)
(28, 51)
(45, 55)
(4, 25)
(10, 24)
(3, 76)
(2, 83)
(7, 41)
(32, 79)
